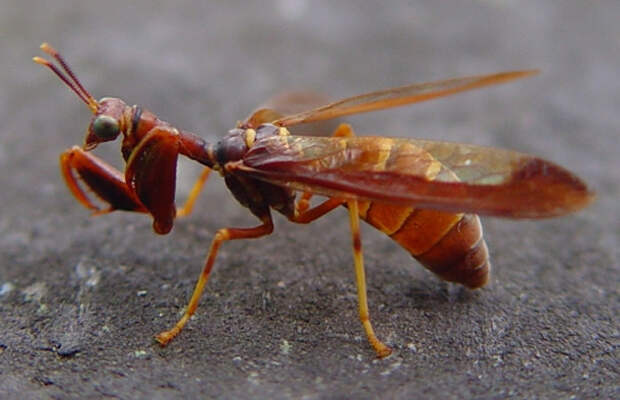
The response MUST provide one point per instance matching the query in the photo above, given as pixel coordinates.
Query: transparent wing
(399, 96)
(428, 174)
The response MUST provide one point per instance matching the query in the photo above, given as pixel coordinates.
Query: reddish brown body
(423, 194)
(450, 245)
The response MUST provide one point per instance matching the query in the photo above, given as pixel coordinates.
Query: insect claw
(165, 337)
(100, 211)
(382, 350)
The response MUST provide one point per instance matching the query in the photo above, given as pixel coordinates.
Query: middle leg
(221, 236)
(187, 208)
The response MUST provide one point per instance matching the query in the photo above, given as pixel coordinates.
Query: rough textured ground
(80, 297)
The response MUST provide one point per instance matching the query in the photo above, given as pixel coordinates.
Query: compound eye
(106, 127)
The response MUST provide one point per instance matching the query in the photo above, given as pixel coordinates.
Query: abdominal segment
(449, 245)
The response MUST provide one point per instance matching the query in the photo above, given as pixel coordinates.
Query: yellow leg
(193, 194)
(305, 216)
(221, 236)
(381, 349)
(303, 203)
(343, 130)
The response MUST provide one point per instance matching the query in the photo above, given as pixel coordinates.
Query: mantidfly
(423, 194)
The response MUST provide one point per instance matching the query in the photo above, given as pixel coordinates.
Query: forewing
(427, 174)
(399, 96)
(289, 103)
(260, 116)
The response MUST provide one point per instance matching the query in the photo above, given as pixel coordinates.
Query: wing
(400, 96)
(427, 174)
(289, 103)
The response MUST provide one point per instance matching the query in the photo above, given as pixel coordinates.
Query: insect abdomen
(449, 245)
(461, 255)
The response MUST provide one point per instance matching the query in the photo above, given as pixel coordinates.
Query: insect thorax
(256, 195)
(238, 141)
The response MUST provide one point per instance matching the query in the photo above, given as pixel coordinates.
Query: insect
(425, 195)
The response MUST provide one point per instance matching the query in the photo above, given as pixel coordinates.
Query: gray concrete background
(80, 297)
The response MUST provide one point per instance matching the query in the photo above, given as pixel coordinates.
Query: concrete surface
(81, 298)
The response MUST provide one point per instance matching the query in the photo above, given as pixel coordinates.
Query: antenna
(69, 79)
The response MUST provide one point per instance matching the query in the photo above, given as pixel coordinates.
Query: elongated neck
(198, 149)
